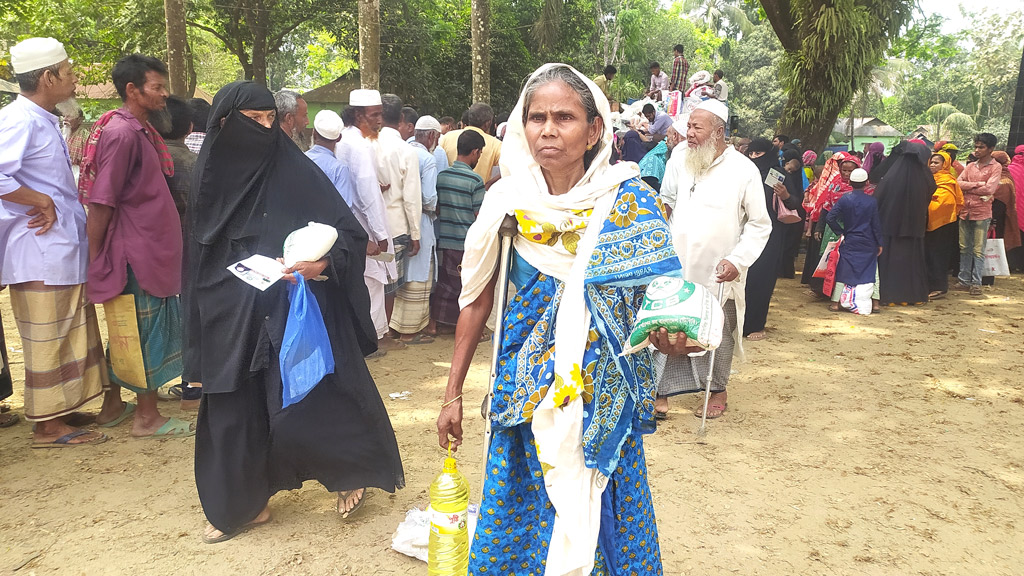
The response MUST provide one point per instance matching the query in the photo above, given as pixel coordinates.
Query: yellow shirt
(604, 84)
(489, 157)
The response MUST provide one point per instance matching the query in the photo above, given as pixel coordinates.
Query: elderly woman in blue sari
(568, 412)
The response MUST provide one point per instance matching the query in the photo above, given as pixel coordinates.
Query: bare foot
(717, 404)
(661, 407)
(387, 343)
(834, 307)
(350, 501)
(211, 535)
(755, 336)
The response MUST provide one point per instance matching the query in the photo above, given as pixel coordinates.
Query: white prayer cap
(364, 97)
(859, 175)
(428, 123)
(716, 107)
(328, 124)
(680, 125)
(35, 53)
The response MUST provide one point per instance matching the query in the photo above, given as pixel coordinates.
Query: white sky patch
(950, 9)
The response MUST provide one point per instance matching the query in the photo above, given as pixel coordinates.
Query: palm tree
(948, 120)
(711, 13)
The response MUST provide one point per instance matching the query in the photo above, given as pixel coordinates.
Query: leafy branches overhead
(831, 47)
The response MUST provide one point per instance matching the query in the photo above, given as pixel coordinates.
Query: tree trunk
(813, 135)
(177, 47)
(1017, 116)
(481, 54)
(369, 44)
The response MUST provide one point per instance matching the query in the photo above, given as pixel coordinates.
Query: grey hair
(70, 109)
(286, 101)
(29, 81)
(586, 98)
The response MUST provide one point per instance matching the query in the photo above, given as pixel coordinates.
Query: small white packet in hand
(309, 244)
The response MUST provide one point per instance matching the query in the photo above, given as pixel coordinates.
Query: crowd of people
(147, 212)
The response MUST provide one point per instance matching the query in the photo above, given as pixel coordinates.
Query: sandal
(833, 307)
(173, 428)
(65, 441)
(129, 409)
(659, 415)
(225, 536)
(7, 420)
(420, 338)
(937, 294)
(756, 336)
(343, 495)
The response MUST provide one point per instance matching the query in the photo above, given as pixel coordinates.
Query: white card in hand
(258, 271)
(774, 177)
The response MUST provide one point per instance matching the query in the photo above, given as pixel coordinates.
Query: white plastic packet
(309, 244)
(413, 535)
(681, 308)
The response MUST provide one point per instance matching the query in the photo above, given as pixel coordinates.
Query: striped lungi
(401, 264)
(159, 322)
(445, 301)
(60, 339)
(677, 374)
(412, 305)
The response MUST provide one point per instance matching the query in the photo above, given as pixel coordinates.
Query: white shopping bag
(995, 258)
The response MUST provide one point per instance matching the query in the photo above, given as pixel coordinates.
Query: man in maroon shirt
(135, 243)
(979, 182)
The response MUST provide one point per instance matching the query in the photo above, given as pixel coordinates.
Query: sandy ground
(890, 444)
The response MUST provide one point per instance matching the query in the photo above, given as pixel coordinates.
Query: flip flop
(419, 339)
(359, 503)
(224, 537)
(756, 336)
(173, 428)
(8, 420)
(658, 415)
(65, 440)
(129, 409)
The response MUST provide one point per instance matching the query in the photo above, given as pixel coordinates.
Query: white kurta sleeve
(412, 198)
(757, 226)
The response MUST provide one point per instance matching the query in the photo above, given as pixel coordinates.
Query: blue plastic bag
(306, 355)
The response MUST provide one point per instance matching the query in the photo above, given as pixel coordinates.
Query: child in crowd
(855, 218)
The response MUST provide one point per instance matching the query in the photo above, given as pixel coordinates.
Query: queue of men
(95, 216)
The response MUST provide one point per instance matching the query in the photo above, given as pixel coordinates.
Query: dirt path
(883, 445)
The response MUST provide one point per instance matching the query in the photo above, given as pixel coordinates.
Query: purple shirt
(145, 230)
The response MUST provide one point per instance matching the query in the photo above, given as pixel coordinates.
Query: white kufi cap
(428, 123)
(328, 124)
(35, 53)
(364, 97)
(859, 175)
(716, 107)
(680, 125)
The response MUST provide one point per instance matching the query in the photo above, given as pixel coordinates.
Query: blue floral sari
(516, 516)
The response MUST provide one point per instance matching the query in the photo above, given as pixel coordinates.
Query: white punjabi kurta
(399, 166)
(721, 215)
(357, 153)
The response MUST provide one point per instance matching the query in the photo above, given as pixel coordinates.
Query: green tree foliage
(756, 96)
(831, 46)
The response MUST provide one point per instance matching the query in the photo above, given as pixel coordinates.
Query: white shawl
(575, 490)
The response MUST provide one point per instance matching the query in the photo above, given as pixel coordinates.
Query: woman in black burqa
(252, 187)
(903, 195)
(763, 273)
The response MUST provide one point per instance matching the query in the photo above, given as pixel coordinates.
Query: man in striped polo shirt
(460, 192)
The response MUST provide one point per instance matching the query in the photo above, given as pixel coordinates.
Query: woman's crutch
(506, 232)
(711, 370)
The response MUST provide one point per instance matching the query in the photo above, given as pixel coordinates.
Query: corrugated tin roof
(11, 87)
(866, 127)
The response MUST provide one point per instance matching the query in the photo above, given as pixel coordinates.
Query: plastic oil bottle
(448, 548)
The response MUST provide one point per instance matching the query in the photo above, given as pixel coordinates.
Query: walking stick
(702, 431)
(506, 232)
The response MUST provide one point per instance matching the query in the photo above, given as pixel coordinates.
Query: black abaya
(903, 197)
(254, 187)
(763, 273)
(941, 245)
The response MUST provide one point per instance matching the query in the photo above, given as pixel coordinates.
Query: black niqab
(905, 192)
(252, 187)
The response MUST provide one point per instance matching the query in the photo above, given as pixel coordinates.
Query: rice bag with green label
(681, 308)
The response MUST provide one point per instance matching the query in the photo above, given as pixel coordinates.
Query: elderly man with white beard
(720, 225)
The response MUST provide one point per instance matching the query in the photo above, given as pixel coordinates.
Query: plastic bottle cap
(449, 465)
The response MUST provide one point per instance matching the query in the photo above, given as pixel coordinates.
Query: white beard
(698, 159)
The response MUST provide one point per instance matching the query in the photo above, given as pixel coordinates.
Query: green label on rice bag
(664, 292)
